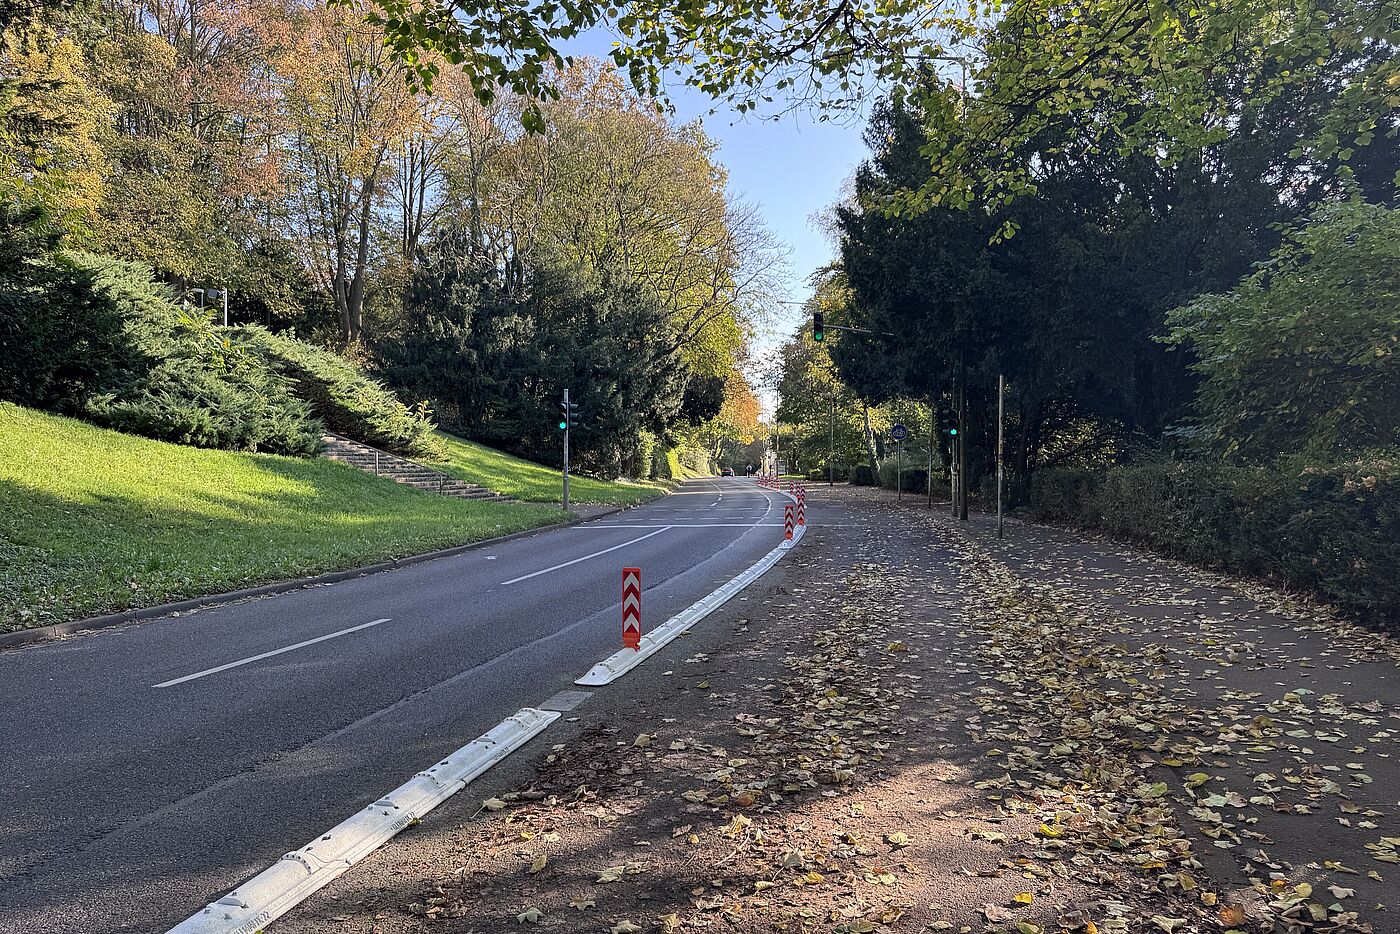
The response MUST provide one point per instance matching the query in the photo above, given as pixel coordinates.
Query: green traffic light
(818, 335)
(952, 431)
(563, 425)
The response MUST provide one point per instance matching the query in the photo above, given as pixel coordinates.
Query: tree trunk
(870, 440)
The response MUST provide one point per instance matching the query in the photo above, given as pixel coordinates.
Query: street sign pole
(898, 433)
(568, 422)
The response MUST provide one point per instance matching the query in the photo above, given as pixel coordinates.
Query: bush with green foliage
(97, 337)
(1333, 530)
(1305, 353)
(345, 399)
(864, 475)
(59, 340)
(838, 474)
(915, 474)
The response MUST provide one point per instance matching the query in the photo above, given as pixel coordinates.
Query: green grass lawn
(535, 483)
(94, 521)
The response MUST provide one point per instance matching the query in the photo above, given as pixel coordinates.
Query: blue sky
(790, 167)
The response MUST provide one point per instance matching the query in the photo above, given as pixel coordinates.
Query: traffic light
(568, 416)
(818, 327)
(948, 422)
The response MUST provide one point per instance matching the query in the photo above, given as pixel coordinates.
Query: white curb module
(289, 881)
(619, 663)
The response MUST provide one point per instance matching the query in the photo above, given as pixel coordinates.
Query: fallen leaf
(997, 914)
(1231, 915)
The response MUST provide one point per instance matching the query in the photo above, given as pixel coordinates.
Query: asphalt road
(149, 769)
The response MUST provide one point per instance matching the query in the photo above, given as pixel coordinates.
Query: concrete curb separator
(293, 878)
(73, 627)
(624, 660)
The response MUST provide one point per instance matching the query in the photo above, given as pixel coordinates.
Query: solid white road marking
(525, 577)
(685, 525)
(257, 658)
(295, 877)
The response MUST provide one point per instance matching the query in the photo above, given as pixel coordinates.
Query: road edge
(56, 631)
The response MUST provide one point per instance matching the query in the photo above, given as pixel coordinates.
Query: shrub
(838, 474)
(97, 337)
(915, 474)
(863, 475)
(344, 398)
(1333, 530)
(60, 340)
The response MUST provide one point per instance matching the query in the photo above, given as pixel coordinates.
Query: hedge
(1332, 530)
(863, 475)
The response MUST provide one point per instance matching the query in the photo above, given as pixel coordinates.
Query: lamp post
(221, 293)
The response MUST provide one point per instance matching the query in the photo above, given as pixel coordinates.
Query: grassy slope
(94, 521)
(532, 482)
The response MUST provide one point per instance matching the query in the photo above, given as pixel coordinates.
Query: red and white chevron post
(801, 508)
(632, 608)
(787, 522)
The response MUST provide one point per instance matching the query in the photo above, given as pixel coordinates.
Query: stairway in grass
(402, 470)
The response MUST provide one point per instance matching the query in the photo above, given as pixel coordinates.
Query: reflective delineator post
(632, 608)
(801, 508)
(787, 522)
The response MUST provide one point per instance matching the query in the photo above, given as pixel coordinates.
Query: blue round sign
(899, 432)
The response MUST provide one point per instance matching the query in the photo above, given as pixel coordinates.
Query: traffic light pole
(568, 423)
(831, 448)
(962, 438)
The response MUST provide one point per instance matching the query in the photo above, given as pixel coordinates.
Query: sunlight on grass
(526, 480)
(94, 521)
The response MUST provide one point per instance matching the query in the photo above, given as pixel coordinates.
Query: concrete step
(402, 470)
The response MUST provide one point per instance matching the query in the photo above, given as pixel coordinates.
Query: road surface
(151, 768)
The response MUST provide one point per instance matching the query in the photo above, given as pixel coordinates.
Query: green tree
(494, 355)
(1304, 354)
